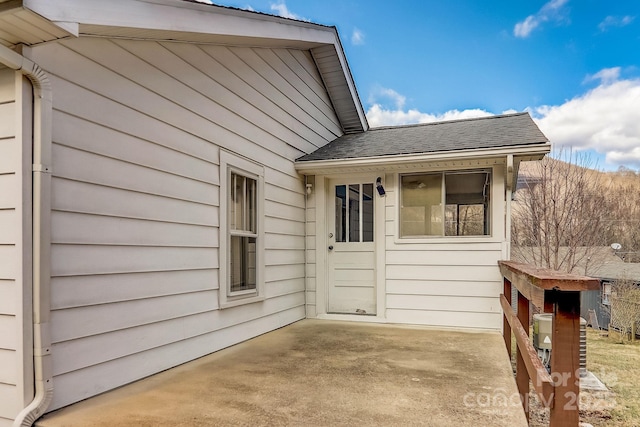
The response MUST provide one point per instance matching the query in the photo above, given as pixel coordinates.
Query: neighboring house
(610, 269)
(152, 209)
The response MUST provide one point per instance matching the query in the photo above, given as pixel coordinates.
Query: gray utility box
(542, 331)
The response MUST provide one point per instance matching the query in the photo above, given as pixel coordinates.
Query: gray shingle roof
(481, 133)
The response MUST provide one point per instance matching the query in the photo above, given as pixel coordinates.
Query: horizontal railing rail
(538, 374)
(557, 293)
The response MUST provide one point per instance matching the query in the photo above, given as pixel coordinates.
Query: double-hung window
(453, 203)
(243, 233)
(241, 243)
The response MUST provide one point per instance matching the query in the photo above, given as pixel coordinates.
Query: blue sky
(573, 64)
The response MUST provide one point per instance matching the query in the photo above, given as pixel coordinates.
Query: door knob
(331, 247)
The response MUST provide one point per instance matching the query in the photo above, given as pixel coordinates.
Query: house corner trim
(42, 111)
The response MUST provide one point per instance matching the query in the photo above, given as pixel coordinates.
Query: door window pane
(354, 213)
(367, 212)
(341, 213)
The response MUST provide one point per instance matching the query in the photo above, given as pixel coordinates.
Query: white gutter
(314, 166)
(42, 108)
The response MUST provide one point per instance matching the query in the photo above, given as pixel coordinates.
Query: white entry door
(351, 257)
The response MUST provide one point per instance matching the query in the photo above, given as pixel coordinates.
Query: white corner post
(42, 111)
(511, 182)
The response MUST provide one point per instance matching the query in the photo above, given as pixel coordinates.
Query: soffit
(342, 92)
(22, 26)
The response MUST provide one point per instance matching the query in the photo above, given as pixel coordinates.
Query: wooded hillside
(565, 211)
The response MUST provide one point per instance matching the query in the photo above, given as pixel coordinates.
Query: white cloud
(615, 21)
(377, 115)
(393, 114)
(606, 75)
(605, 119)
(357, 37)
(552, 6)
(524, 28)
(379, 92)
(552, 10)
(282, 10)
(205, 1)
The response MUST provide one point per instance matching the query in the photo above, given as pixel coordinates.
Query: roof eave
(519, 152)
(192, 22)
(180, 16)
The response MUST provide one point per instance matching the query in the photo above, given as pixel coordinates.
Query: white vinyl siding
(448, 281)
(16, 388)
(451, 282)
(138, 128)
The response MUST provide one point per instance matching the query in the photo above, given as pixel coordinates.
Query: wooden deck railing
(557, 293)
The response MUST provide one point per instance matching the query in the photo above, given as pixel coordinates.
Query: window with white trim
(243, 234)
(455, 203)
(242, 242)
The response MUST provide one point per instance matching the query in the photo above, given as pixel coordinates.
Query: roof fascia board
(352, 87)
(519, 152)
(178, 15)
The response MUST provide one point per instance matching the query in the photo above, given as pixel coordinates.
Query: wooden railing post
(565, 358)
(506, 328)
(558, 293)
(522, 376)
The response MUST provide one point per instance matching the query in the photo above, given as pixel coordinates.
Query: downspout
(42, 111)
(306, 259)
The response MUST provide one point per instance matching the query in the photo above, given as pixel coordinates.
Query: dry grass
(618, 367)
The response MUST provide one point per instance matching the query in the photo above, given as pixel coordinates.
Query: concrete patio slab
(323, 373)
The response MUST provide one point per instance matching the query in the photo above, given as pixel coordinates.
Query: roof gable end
(194, 22)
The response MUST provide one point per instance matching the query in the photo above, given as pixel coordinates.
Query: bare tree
(623, 210)
(558, 217)
(625, 308)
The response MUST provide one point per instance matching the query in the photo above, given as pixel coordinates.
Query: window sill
(237, 301)
(445, 240)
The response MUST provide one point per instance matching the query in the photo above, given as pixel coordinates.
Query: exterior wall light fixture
(379, 187)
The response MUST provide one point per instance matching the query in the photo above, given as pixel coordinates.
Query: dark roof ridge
(441, 122)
